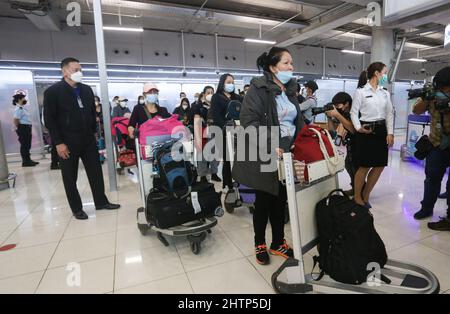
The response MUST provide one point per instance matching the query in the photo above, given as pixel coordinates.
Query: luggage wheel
(196, 247)
(229, 208)
(143, 228)
(162, 239)
(195, 242)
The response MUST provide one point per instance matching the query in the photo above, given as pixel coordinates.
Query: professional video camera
(320, 110)
(426, 93)
(443, 104)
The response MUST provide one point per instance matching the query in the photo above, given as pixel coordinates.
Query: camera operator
(438, 158)
(310, 101)
(339, 118)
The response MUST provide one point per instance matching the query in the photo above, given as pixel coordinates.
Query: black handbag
(424, 147)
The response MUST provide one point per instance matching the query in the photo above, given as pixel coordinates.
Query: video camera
(320, 110)
(443, 104)
(426, 93)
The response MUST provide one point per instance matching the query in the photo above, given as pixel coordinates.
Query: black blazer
(63, 117)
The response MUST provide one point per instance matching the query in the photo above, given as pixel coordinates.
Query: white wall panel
(162, 42)
(200, 51)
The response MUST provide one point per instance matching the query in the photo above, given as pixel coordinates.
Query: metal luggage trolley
(237, 200)
(291, 276)
(195, 231)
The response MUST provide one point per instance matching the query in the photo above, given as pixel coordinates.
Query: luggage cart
(195, 231)
(291, 276)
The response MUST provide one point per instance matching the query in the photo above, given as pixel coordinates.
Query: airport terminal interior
(138, 55)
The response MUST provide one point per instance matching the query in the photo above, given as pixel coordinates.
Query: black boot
(215, 178)
(423, 214)
(443, 195)
(28, 163)
(442, 225)
(80, 215)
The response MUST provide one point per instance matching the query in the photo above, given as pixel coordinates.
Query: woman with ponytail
(270, 103)
(373, 118)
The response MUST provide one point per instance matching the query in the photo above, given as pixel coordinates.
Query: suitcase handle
(184, 195)
(335, 192)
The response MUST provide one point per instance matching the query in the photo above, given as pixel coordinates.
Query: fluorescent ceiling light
(417, 60)
(260, 41)
(355, 52)
(123, 29)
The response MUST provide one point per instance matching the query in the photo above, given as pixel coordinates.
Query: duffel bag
(166, 211)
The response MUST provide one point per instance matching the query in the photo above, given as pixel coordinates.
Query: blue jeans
(436, 166)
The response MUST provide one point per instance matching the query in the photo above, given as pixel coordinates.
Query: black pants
(227, 180)
(55, 157)
(269, 207)
(88, 153)
(437, 163)
(24, 133)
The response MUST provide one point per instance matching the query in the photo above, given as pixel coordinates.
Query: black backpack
(348, 241)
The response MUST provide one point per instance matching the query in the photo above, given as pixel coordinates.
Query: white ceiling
(242, 18)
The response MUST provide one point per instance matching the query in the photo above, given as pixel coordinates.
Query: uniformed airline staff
(373, 117)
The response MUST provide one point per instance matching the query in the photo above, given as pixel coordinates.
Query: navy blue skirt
(371, 150)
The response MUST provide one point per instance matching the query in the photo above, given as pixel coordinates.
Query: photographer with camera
(340, 121)
(438, 156)
(372, 115)
(310, 101)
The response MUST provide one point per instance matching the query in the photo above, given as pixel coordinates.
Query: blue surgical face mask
(229, 88)
(285, 76)
(383, 80)
(152, 98)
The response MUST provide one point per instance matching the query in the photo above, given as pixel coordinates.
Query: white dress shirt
(373, 105)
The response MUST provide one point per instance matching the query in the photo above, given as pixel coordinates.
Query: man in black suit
(70, 116)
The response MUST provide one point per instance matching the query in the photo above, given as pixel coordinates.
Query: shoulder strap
(321, 274)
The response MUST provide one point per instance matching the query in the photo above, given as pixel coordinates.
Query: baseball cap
(150, 86)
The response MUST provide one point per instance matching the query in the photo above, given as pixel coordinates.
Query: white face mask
(184, 107)
(208, 98)
(141, 101)
(196, 99)
(77, 77)
(123, 104)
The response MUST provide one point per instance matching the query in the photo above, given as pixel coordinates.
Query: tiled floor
(111, 256)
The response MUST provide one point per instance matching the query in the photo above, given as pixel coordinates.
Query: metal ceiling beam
(326, 23)
(218, 11)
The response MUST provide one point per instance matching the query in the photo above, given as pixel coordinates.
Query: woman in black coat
(184, 112)
(271, 103)
(217, 116)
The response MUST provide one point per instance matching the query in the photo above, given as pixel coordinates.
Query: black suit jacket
(63, 117)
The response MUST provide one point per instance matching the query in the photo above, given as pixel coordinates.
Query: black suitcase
(165, 211)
